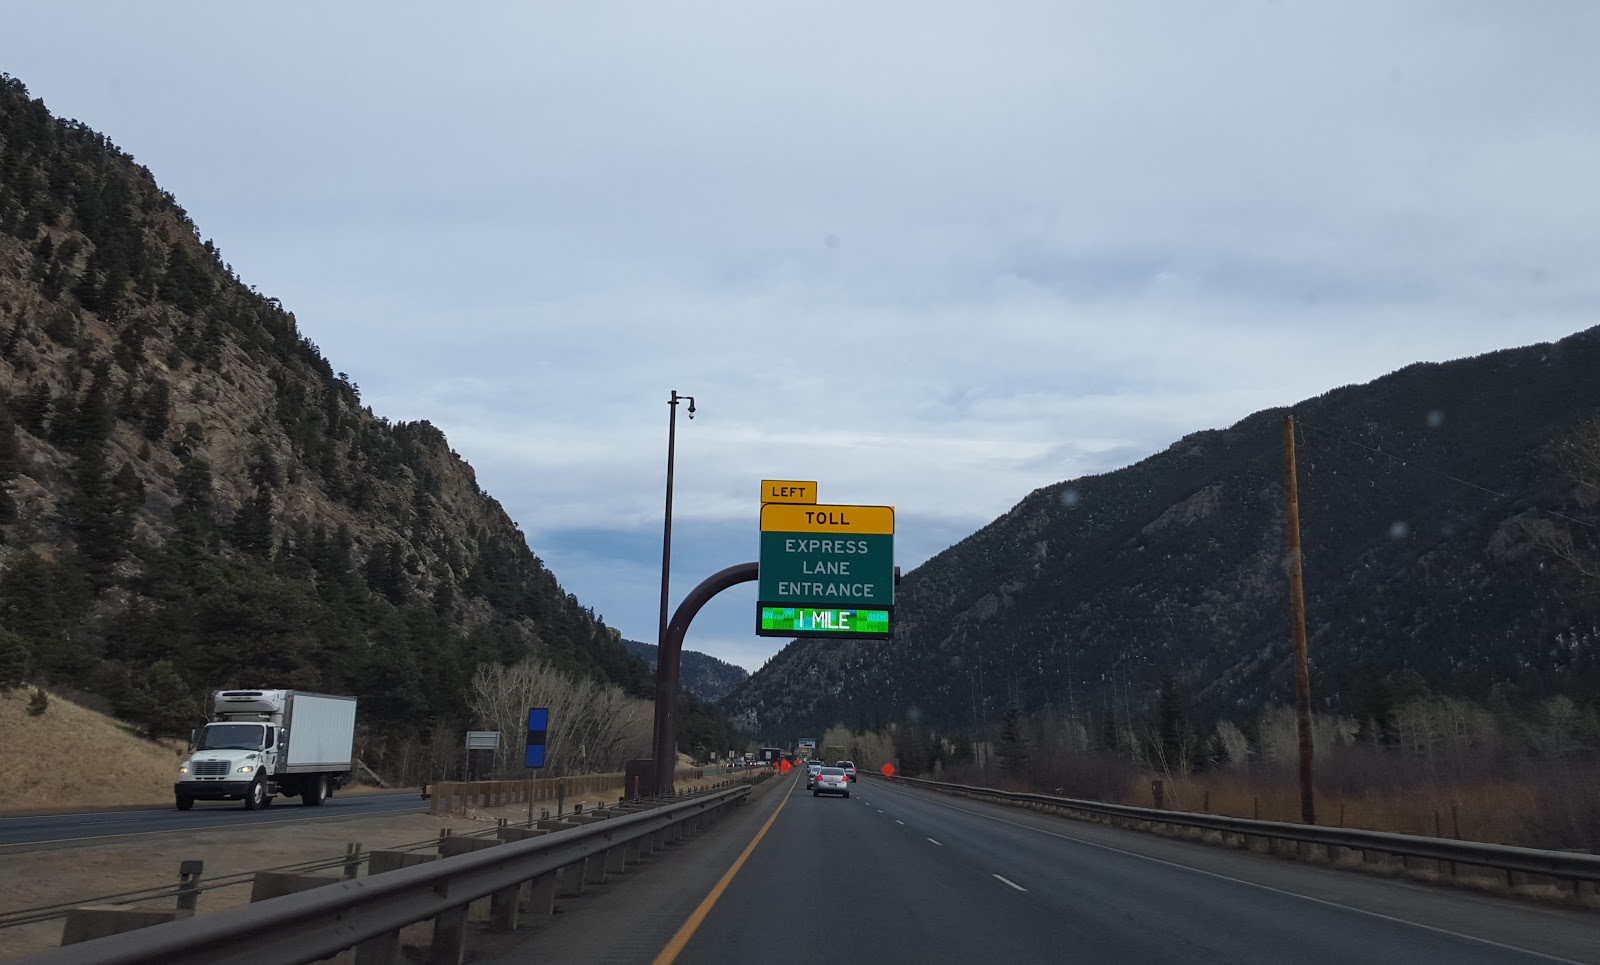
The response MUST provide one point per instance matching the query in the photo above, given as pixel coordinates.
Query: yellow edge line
(681, 938)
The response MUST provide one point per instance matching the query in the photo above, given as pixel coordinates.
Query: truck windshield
(232, 737)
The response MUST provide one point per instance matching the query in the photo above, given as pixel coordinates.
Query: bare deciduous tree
(594, 727)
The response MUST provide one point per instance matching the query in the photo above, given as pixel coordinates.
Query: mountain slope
(699, 673)
(1091, 588)
(191, 497)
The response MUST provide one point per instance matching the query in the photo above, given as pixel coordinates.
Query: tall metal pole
(1297, 612)
(666, 677)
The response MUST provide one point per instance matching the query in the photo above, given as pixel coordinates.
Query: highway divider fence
(1573, 869)
(522, 875)
(456, 797)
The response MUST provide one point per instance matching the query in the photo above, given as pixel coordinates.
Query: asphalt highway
(33, 832)
(900, 875)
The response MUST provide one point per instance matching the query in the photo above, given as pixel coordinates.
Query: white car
(811, 774)
(831, 780)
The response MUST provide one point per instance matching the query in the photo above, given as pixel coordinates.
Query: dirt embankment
(72, 757)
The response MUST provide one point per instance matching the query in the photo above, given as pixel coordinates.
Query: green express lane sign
(826, 570)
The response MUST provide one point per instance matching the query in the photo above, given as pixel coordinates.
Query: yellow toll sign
(823, 518)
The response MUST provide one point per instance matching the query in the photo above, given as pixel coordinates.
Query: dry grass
(1497, 812)
(72, 757)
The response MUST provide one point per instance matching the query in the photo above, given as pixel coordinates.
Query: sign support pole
(667, 660)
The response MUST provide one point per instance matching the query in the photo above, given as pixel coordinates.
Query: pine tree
(99, 516)
(8, 345)
(157, 409)
(33, 409)
(252, 525)
(10, 465)
(94, 418)
(1014, 755)
(160, 702)
(15, 660)
(195, 512)
(1169, 723)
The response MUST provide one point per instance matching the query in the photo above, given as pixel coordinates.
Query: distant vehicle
(811, 773)
(831, 780)
(263, 743)
(849, 768)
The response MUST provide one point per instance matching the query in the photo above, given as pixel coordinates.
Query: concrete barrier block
(454, 845)
(380, 861)
(276, 884)
(98, 921)
(521, 834)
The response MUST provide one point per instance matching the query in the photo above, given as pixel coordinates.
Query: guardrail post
(503, 907)
(616, 859)
(189, 886)
(383, 950)
(449, 945)
(571, 880)
(594, 869)
(352, 860)
(541, 893)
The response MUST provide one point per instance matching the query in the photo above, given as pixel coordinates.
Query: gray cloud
(1063, 235)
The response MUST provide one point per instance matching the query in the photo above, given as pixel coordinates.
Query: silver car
(831, 780)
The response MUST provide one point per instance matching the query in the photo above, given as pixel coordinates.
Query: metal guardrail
(1568, 866)
(367, 914)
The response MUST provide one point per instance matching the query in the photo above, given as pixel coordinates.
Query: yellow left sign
(788, 491)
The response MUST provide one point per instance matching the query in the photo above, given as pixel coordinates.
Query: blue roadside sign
(538, 726)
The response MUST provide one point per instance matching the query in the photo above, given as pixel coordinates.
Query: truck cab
(230, 760)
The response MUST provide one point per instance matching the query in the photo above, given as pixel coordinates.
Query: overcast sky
(929, 255)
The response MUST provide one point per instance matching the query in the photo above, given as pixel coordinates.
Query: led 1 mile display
(787, 621)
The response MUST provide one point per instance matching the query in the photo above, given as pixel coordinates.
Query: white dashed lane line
(935, 842)
(899, 822)
(1003, 879)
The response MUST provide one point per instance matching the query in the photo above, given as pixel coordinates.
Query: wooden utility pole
(1297, 610)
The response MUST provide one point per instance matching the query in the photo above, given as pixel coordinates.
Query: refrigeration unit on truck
(262, 743)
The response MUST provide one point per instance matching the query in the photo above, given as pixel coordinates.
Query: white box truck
(262, 743)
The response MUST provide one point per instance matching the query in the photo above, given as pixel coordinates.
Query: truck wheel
(315, 793)
(185, 803)
(257, 797)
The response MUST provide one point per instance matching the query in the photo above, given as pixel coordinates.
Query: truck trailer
(262, 743)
